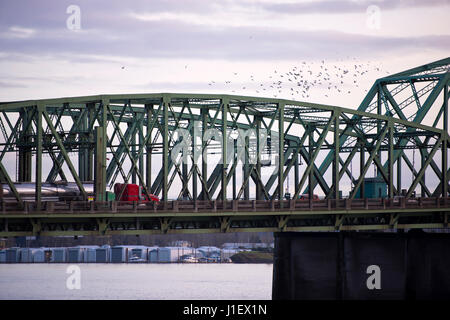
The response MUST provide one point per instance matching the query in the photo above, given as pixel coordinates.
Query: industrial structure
(334, 151)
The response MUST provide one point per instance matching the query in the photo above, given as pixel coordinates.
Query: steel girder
(331, 148)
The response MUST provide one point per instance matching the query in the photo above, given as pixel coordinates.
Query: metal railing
(214, 206)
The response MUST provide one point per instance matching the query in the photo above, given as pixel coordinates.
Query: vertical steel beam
(445, 106)
(100, 153)
(391, 160)
(362, 161)
(422, 164)
(165, 136)
(195, 167)
(399, 175)
(444, 180)
(82, 151)
(296, 172)
(257, 121)
(234, 173)
(148, 162)
(25, 154)
(185, 157)
(246, 171)
(204, 115)
(38, 194)
(444, 145)
(133, 153)
(224, 103)
(90, 160)
(141, 156)
(184, 173)
(336, 163)
(100, 167)
(379, 112)
(311, 173)
(281, 150)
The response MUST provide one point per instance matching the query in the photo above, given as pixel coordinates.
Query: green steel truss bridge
(398, 136)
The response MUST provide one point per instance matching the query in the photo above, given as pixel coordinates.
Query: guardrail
(224, 206)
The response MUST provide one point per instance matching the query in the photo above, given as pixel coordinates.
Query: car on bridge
(305, 197)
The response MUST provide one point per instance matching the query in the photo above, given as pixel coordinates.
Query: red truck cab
(132, 192)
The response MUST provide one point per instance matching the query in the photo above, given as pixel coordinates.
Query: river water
(136, 281)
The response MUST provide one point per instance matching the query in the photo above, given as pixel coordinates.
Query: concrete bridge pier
(361, 265)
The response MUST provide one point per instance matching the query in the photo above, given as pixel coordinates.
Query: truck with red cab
(132, 192)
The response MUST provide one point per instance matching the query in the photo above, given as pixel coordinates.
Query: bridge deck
(88, 218)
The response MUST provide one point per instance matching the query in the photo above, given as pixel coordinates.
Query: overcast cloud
(158, 35)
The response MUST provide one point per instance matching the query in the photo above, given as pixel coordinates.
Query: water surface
(138, 281)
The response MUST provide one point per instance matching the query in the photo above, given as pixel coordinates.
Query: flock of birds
(301, 80)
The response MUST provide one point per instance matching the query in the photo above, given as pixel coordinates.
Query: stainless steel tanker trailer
(57, 191)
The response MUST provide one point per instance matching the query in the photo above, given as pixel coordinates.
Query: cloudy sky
(49, 49)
